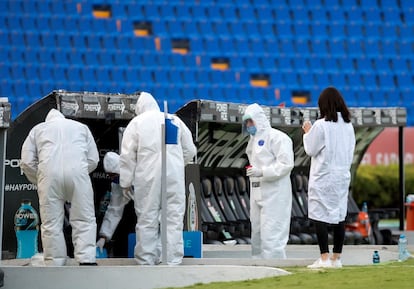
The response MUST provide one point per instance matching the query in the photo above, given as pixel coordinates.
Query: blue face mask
(251, 130)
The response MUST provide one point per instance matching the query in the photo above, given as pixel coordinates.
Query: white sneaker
(321, 264)
(337, 263)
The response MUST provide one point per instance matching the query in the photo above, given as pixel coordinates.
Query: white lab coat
(140, 166)
(113, 214)
(58, 156)
(271, 201)
(331, 146)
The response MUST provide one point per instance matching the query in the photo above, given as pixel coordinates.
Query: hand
(101, 244)
(254, 172)
(126, 192)
(306, 126)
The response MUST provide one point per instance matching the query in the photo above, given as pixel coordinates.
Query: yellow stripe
(300, 99)
(220, 66)
(259, 82)
(141, 32)
(101, 14)
(180, 50)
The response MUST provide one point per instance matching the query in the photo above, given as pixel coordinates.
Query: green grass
(393, 275)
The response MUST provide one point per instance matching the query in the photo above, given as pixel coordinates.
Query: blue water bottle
(26, 225)
(375, 257)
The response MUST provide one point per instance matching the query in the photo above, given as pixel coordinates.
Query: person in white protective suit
(330, 142)
(140, 167)
(113, 214)
(58, 155)
(271, 158)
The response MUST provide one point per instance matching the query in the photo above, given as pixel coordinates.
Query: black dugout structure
(218, 168)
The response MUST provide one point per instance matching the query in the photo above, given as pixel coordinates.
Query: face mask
(251, 130)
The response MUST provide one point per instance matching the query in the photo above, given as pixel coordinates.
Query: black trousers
(322, 234)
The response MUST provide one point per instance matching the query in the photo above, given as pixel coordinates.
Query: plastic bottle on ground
(403, 253)
(375, 257)
(26, 226)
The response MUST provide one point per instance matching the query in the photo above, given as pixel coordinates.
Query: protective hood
(54, 114)
(111, 163)
(256, 113)
(146, 102)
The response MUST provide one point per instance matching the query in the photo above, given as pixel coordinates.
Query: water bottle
(403, 253)
(364, 207)
(26, 225)
(375, 257)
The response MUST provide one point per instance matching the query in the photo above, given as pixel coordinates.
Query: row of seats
(225, 208)
(277, 76)
(212, 28)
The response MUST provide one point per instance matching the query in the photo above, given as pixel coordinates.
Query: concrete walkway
(219, 263)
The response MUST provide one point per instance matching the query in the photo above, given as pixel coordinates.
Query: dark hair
(331, 102)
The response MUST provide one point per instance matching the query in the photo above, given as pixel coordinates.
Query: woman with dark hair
(330, 142)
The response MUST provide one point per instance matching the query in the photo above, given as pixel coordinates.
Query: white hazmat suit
(58, 156)
(140, 166)
(118, 200)
(331, 146)
(270, 153)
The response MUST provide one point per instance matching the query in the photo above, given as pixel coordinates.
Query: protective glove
(254, 172)
(126, 192)
(101, 244)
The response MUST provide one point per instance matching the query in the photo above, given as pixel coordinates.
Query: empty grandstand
(275, 52)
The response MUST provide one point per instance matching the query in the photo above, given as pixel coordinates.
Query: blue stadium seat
(283, 14)
(90, 57)
(63, 40)
(372, 32)
(252, 29)
(315, 64)
(319, 47)
(265, 14)
(389, 31)
(386, 81)
(287, 47)
(354, 48)
(88, 74)
(284, 30)
(189, 29)
(75, 57)
(246, 13)
(373, 15)
(257, 46)
(300, 14)
(16, 55)
(300, 65)
(78, 41)
(213, 13)
(393, 98)
(354, 31)
(336, 14)
(266, 29)
(372, 48)
(406, 32)
(205, 28)
(392, 15)
(17, 72)
(183, 12)
(319, 30)
(337, 79)
(346, 64)
(150, 12)
(45, 55)
(399, 64)
(301, 29)
(199, 12)
(404, 80)
(405, 48)
(354, 80)
(59, 56)
(337, 47)
(74, 73)
(319, 14)
(42, 24)
(59, 73)
(221, 29)
(355, 15)
(159, 27)
(364, 64)
(369, 80)
(17, 38)
(31, 72)
(382, 65)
